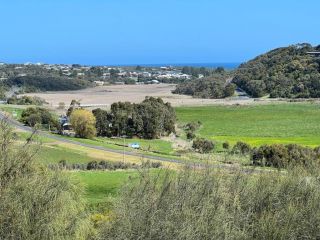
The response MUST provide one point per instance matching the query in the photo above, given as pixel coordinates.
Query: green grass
(158, 147)
(155, 145)
(15, 111)
(100, 185)
(55, 153)
(257, 124)
(23, 136)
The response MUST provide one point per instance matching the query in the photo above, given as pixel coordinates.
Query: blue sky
(152, 31)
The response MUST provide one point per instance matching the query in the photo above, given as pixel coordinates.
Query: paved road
(19, 125)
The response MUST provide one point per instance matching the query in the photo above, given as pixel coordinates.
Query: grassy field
(156, 147)
(100, 185)
(56, 153)
(257, 124)
(14, 110)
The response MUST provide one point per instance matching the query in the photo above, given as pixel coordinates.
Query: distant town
(101, 75)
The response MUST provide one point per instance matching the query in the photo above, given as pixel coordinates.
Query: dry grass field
(106, 95)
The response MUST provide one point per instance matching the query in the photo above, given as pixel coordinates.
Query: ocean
(206, 65)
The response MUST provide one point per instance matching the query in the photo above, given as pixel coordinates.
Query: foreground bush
(36, 203)
(212, 205)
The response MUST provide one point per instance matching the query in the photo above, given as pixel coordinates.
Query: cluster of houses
(100, 74)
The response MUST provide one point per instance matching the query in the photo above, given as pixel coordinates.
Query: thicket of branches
(207, 204)
(36, 203)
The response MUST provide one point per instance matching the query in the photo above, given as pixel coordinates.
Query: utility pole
(123, 148)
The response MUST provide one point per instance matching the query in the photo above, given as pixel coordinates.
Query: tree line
(150, 119)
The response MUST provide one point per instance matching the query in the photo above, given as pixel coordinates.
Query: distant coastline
(207, 65)
(229, 65)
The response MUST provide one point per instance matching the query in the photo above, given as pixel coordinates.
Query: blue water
(207, 65)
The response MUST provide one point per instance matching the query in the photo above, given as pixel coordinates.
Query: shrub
(241, 148)
(190, 135)
(92, 165)
(226, 145)
(148, 164)
(282, 156)
(203, 145)
(103, 165)
(193, 126)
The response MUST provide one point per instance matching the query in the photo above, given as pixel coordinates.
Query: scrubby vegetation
(46, 83)
(26, 100)
(104, 165)
(191, 128)
(214, 205)
(210, 87)
(287, 72)
(284, 156)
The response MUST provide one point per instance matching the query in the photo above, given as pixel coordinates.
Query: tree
(73, 105)
(32, 116)
(36, 203)
(229, 90)
(83, 123)
(150, 119)
(103, 122)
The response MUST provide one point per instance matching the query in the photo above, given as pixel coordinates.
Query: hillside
(287, 72)
(47, 83)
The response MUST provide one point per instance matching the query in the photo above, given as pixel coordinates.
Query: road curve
(19, 125)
